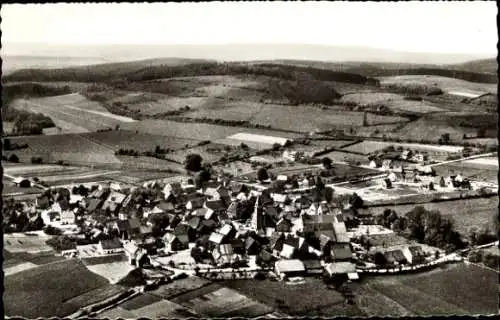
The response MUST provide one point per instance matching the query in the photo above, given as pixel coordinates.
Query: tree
(13, 158)
(481, 132)
(6, 144)
(327, 163)
(193, 162)
(444, 139)
(356, 201)
(262, 174)
(379, 259)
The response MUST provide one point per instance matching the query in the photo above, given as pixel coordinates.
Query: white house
(110, 246)
(67, 217)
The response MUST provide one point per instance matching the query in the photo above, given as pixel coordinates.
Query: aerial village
(283, 227)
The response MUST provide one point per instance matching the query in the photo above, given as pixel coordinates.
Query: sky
(446, 27)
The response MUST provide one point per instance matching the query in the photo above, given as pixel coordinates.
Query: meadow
(39, 292)
(451, 290)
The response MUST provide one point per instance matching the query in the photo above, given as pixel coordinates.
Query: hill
(483, 65)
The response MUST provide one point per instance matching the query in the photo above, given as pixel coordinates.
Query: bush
(13, 158)
(262, 174)
(193, 162)
(36, 160)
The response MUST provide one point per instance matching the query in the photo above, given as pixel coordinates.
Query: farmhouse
(110, 246)
(289, 268)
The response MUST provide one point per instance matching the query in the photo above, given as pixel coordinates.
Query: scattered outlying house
(414, 254)
(284, 225)
(22, 182)
(218, 206)
(175, 243)
(223, 254)
(341, 268)
(289, 268)
(110, 246)
(195, 203)
(67, 217)
(136, 256)
(395, 257)
(341, 252)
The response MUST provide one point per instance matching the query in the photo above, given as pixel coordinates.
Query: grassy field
(179, 287)
(482, 169)
(464, 213)
(39, 292)
(312, 298)
(137, 141)
(346, 157)
(152, 309)
(454, 290)
(66, 147)
(18, 242)
(197, 131)
(72, 113)
(367, 147)
(12, 259)
(214, 301)
(444, 83)
(295, 118)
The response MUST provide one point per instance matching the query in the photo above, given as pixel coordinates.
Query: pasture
(120, 139)
(39, 292)
(73, 113)
(143, 306)
(453, 290)
(368, 147)
(311, 298)
(221, 302)
(444, 83)
(465, 214)
(178, 287)
(32, 243)
(70, 148)
(196, 131)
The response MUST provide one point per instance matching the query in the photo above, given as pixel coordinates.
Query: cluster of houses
(224, 223)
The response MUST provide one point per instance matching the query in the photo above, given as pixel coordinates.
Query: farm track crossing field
(197, 131)
(464, 213)
(39, 292)
(456, 289)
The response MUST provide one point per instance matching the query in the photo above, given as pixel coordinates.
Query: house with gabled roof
(217, 206)
(284, 225)
(174, 242)
(195, 203)
(341, 251)
(289, 268)
(110, 246)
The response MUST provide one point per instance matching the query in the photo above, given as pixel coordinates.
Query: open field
(464, 213)
(393, 101)
(197, 131)
(178, 287)
(146, 308)
(475, 170)
(210, 153)
(221, 302)
(12, 259)
(367, 147)
(39, 292)
(10, 187)
(94, 296)
(456, 289)
(19, 242)
(120, 139)
(73, 112)
(339, 156)
(113, 271)
(444, 83)
(67, 147)
(295, 118)
(311, 298)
